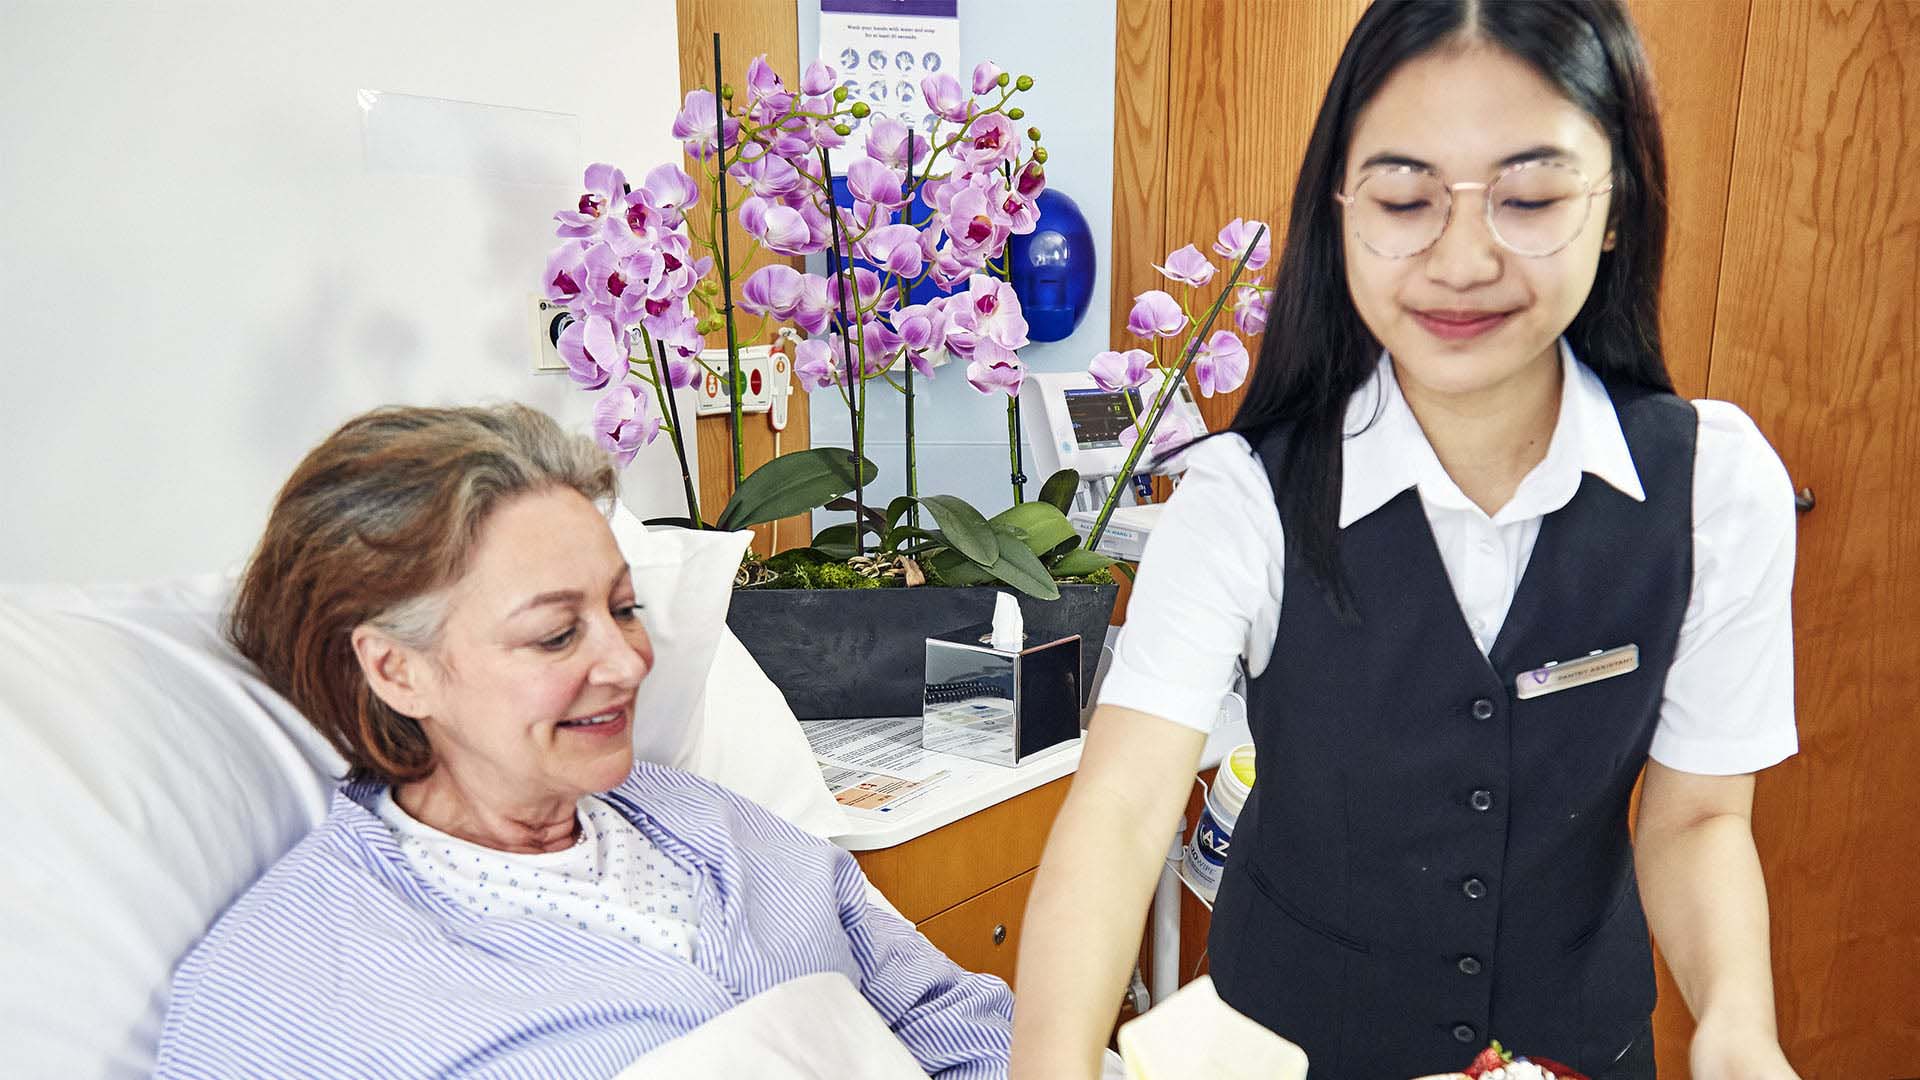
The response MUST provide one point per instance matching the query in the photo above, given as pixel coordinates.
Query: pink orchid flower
(896, 249)
(766, 175)
(819, 79)
(1220, 365)
(1188, 267)
(623, 421)
(1234, 238)
(1250, 306)
(818, 362)
(996, 370)
(1170, 437)
(872, 182)
(1155, 314)
(772, 290)
(606, 194)
(764, 83)
(815, 306)
(990, 140)
(894, 144)
(566, 271)
(593, 351)
(694, 125)
(986, 75)
(1113, 371)
(946, 97)
(672, 192)
(1032, 180)
(988, 313)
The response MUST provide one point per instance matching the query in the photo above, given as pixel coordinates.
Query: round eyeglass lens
(1538, 209)
(1399, 212)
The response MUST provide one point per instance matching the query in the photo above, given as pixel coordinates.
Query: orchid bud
(860, 110)
(1033, 133)
(726, 92)
(1024, 82)
(839, 93)
(1040, 154)
(842, 129)
(1004, 79)
(1016, 113)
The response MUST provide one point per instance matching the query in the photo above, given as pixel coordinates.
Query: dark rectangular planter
(862, 652)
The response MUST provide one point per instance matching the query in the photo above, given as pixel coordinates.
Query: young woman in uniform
(1483, 569)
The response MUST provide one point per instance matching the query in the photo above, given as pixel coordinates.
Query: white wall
(201, 274)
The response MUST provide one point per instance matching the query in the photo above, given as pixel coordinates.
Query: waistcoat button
(1463, 1033)
(1481, 800)
(1473, 888)
(1469, 965)
(1482, 709)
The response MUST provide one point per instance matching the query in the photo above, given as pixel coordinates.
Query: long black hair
(1317, 351)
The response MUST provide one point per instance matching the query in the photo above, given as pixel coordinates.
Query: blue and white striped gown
(342, 961)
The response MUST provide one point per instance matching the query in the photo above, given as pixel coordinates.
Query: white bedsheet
(816, 1027)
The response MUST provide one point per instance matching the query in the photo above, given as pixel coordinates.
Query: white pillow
(148, 777)
(707, 707)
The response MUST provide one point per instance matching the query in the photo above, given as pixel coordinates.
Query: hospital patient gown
(343, 961)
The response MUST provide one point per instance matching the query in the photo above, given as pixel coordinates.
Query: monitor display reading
(1099, 416)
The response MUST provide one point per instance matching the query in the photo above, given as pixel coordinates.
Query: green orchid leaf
(897, 509)
(1023, 570)
(792, 484)
(1059, 489)
(952, 568)
(1039, 525)
(1080, 563)
(835, 541)
(963, 527)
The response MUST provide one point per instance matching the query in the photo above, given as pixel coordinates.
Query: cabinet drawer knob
(1803, 500)
(1000, 934)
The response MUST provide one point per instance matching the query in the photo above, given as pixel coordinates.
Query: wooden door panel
(1246, 82)
(1696, 50)
(1817, 336)
(747, 29)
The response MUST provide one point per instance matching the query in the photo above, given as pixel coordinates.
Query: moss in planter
(803, 568)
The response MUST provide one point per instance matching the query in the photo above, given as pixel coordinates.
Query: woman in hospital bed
(499, 887)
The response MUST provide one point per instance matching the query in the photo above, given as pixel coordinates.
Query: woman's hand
(1730, 1051)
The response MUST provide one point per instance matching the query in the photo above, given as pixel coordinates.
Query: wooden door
(748, 28)
(1817, 336)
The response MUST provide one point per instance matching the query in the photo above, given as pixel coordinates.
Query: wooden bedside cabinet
(965, 884)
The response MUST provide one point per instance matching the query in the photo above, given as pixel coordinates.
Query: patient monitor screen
(1099, 416)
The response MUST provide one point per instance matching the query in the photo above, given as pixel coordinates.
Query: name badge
(1567, 674)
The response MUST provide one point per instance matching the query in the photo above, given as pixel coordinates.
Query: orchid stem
(1168, 388)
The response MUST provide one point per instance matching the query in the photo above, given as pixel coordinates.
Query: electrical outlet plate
(545, 320)
(756, 374)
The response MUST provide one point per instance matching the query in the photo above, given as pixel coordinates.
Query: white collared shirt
(1209, 588)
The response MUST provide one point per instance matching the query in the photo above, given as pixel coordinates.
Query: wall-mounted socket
(756, 377)
(545, 321)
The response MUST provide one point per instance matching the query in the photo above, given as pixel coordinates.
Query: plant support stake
(726, 270)
(679, 445)
(1165, 397)
(845, 284)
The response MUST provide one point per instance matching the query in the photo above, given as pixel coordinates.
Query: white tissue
(1008, 630)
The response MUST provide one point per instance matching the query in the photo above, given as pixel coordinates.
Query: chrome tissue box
(999, 705)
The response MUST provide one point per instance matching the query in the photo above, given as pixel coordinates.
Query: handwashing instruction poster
(882, 49)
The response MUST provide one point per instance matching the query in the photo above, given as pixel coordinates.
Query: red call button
(754, 382)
